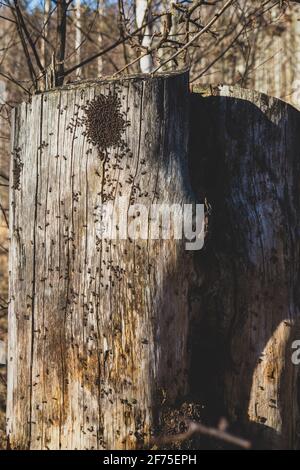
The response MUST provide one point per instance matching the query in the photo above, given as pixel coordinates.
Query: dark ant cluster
(104, 121)
(17, 168)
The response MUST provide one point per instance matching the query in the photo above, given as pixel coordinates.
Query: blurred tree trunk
(100, 37)
(78, 36)
(45, 53)
(61, 32)
(143, 12)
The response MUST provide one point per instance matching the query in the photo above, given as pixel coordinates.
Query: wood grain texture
(99, 332)
(97, 329)
(250, 175)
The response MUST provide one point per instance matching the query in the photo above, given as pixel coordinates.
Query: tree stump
(104, 334)
(249, 169)
(97, 329)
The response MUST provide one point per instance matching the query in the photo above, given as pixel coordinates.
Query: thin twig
(3, 380)
(3, 300)
(24, 46)
(3, 248)
(211, 64)
(130, 63)
(27, 34)
(197, 428)
(7, 19)
(112, 46)
(200, 33)
(3, 213)
(11, 79)
(4, 176)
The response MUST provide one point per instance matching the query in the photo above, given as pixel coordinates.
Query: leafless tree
(150, 35)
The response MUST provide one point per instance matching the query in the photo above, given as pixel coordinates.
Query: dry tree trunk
(46, 28)
(101, 10)
(97, 329)
(249, 170)
(143, 15)
(61, 35)
(78, 36)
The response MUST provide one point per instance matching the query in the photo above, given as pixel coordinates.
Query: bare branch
(197, 428)
(112, 46)
(25, 48)
(4, 176)
(242, 30)
(3, 248)
(1, 377)
(62, 7)
(11, 79)
(200, 33)
(27, 34)
(7, 19)
(4, 215)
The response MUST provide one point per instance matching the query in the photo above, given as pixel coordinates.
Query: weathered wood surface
(249, 169)
(97, 330)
